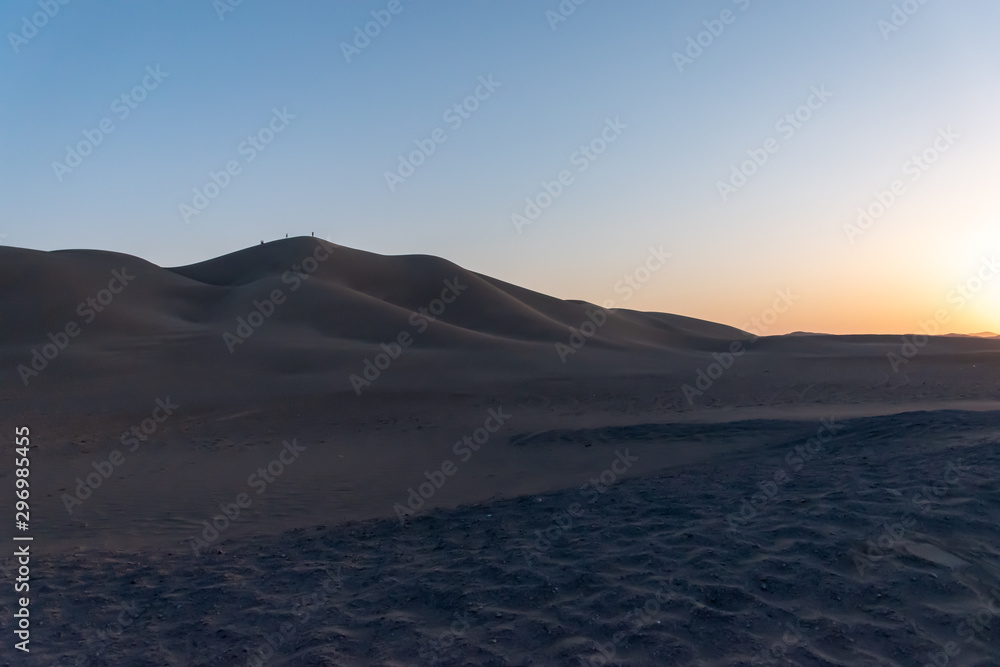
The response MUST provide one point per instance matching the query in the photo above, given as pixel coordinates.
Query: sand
(809, 505)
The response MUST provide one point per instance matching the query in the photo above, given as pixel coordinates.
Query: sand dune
(682, 432)
(351, 296)
(336, 313)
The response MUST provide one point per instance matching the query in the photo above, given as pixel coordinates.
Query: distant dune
(337, 305)
(981, 334)
(302, 316)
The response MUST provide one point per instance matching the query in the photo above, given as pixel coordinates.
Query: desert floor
(795, 534)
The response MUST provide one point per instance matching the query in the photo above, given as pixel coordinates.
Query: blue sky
(892, 93)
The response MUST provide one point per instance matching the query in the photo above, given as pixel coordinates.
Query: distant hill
(981, 334)
(304, 316)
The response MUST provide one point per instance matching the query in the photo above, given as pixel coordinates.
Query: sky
(724, 160)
